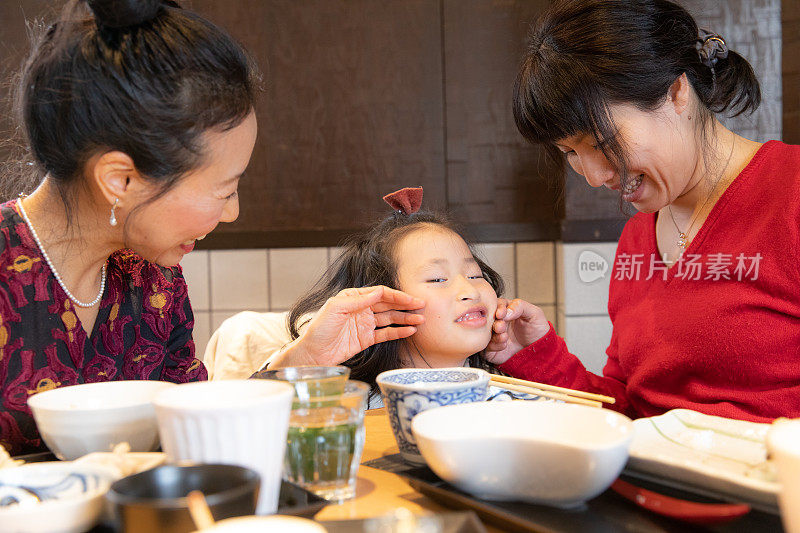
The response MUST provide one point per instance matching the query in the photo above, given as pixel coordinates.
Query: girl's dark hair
(369, 259)
(144, 77)
(584, 55)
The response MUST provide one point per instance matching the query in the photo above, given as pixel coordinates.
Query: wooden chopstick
(199, 511)
(546, 394)
(553, 388)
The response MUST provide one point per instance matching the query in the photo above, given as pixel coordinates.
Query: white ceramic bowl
(95, 417)
(541, 452)
(74, 491)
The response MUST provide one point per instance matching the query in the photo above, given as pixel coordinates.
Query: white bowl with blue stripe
(52, 497)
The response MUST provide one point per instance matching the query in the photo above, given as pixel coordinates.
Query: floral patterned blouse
(143, 329)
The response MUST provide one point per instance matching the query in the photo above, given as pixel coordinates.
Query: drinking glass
(310, 381)
(325, 442)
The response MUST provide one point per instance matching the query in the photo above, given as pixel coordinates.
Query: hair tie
(711, 48)
(117, 14)
(407, 200)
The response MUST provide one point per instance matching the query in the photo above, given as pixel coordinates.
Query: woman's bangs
(546, 112)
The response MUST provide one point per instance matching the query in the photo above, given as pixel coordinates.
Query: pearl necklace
(53, 269)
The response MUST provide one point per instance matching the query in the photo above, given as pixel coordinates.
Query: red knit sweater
(727, 347)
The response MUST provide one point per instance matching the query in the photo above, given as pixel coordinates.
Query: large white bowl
(541, 452)
(95, 417)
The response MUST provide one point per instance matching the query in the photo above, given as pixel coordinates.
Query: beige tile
(239, 280)
(588, 337)
(195, 270)
(536, 280)
(292, 272)
(218, 317)
(500, 256)
(559, 275)
(201, 332)
(587, 272)
(334, 253)
(550, 313)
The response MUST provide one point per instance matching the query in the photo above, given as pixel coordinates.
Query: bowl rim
(35, 400)
(283, 391)
(589, 445)
(483, 379)
(252, 483)
(56, 504)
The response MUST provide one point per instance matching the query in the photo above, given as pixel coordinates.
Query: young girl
(423, 255)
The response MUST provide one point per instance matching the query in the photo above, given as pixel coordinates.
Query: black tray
(293, 499)
(608, 513)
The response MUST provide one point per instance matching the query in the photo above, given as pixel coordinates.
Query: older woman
(139, 117)
(704, 295)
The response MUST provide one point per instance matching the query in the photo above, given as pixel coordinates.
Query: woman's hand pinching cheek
(517, 324)
(502, 305)
(498, 342)
(527, 323)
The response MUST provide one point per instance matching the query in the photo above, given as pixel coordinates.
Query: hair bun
(124, 13)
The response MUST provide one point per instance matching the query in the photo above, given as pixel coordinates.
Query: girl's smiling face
(436, 265)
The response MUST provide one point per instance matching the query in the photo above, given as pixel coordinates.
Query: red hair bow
(407, 200)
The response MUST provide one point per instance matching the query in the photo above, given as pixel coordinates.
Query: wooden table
(379, 492)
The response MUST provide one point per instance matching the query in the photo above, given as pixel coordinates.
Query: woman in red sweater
(705, 288)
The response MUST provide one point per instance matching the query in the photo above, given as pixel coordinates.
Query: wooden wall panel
(493, 175)
(14, 47)
(365, 96)
(352, 110)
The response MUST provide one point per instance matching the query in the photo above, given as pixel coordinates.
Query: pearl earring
(113, 218)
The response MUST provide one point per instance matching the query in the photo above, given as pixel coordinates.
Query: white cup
(241, 422)
(783, 443)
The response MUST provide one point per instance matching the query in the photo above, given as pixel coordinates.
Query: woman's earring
(113, 218)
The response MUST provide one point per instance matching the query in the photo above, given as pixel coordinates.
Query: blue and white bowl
(52, 497)
(409, 391)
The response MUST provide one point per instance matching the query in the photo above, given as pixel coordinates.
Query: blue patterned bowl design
(41, 482)
(409, 391)
(53, 496)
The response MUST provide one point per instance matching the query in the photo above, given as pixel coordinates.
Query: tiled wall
(583, 272)
(224, 282)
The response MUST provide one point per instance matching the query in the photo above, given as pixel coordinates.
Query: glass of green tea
(325, 442)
